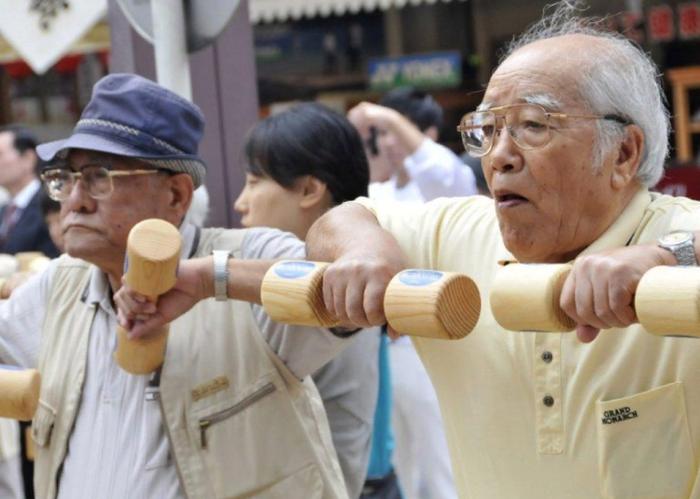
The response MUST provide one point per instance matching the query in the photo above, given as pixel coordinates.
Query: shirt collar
(98, 290)
(623, 228)
(617, 235)
(23, 197)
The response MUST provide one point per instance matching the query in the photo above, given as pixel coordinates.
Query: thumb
(586, 334)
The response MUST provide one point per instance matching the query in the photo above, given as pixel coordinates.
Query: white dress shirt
(434, 172)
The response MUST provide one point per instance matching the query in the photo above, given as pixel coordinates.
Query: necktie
(8, 221)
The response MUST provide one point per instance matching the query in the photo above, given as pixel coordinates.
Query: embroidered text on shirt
(618, 415)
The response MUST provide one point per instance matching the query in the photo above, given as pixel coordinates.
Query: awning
(282, 10)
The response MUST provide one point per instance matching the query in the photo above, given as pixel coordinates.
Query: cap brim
(190, 164)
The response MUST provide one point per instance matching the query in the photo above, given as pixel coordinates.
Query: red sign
(689, 20)
(660, 21)
(683, 181)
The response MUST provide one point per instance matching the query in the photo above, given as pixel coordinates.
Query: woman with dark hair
(301, 163)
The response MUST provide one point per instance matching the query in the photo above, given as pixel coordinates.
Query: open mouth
(505, 199)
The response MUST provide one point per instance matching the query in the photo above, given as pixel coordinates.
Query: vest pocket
(644, 445)
(42, 424)
(224, 414)
(250, 440)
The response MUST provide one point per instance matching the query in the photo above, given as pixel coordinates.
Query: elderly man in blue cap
(231, 413)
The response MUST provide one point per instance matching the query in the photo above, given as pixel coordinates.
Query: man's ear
(629, 156)
(314, 192)
(181, 191)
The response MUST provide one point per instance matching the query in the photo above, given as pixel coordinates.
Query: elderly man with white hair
(572, 132)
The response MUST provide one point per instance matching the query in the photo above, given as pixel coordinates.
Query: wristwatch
(221, 274)
(682, 244)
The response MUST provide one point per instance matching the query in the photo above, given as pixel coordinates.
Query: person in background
(406, 161)
(22, 226)
(301, 163)
(407, 164)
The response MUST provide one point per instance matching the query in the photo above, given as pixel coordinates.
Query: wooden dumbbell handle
(417, 302)
(525, 297)
(153, 253)
(667, 301)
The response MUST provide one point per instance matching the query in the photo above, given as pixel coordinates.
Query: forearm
(405, 132)
(348, 229)
(244, 278)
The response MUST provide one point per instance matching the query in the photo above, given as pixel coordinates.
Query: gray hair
(621, 80)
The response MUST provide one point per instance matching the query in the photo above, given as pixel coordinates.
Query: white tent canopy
(282, 10)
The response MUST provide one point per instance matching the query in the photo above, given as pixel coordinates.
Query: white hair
(621, 80)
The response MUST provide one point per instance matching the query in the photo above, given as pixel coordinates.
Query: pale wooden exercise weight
(417, 302)
(667, 301)
(19, 392)
(525, 297)
(292, 292)
(152, 257)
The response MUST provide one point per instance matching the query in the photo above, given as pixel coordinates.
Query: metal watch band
(683, 251)
(685, 254)
(221, 274)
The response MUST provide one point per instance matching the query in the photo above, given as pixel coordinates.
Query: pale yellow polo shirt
(541, 415)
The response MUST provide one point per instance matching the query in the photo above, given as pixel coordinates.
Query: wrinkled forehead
(543, 72)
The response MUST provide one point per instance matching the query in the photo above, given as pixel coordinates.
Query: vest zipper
(217, 417)
(170, 439)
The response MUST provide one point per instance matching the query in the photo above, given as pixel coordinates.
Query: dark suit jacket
(30, 233)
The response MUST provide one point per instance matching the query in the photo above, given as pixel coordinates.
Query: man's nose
(505, 155)
(79, 197)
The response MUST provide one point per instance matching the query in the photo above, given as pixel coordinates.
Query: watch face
(677, 237)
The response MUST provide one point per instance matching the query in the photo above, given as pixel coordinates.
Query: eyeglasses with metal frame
(60, 180)
(529, 125)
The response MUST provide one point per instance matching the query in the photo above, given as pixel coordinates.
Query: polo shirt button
(548, 400)
(547, 357)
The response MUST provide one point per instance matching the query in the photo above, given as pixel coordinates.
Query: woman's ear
(314, 192)
(629, 157)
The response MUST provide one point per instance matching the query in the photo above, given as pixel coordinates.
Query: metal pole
(170, 43)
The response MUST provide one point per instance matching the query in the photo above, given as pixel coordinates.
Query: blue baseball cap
(131, 116)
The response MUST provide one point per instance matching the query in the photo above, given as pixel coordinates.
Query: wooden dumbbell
(19, 392)
(152, 257)
(667, 301)
(525, 297)
(31, 261)
(417, 302)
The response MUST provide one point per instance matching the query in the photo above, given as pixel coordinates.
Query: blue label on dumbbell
(294, 270)
(418, 277)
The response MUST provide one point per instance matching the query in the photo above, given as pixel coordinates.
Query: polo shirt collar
(622, 230)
